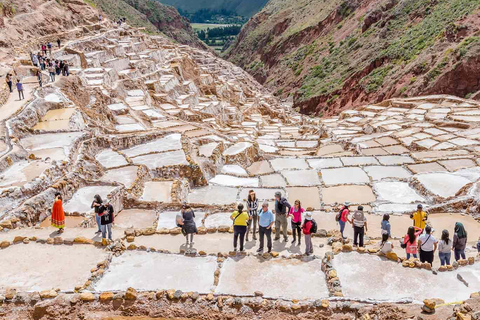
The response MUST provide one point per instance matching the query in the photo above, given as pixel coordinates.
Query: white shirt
(427, 242)
(387, 247)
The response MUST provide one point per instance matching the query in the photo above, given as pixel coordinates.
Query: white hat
(308, 216)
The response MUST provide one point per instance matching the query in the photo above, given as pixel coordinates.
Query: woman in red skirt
(58, 216)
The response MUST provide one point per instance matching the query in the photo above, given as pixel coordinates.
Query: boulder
(18, 239)
(430, 305)
(48, 294)
(7, 224)
(4, 244)
(175, 231)
(130, 238)
(392, 256)
(274, 254)
(83, 240)
(347, 248)
(87, 296)
(223, 228)
(471, 260)
(10, 293)
(462, 262)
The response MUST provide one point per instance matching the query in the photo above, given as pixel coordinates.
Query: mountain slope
(153, 16)
(245, 8)
(335, 54)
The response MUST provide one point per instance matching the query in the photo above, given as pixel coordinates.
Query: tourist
(66, 69)
(419, 217)
(44, 49)
(427, 244)
(410, 241)
(189, 225)
(49, 46)
(58, 67)
(445, 248)
(342, 217)
(296, 214)
(21, 96)
(265, 224)
(96, 204)
(307, 229)
(240, 220)
(386, 224)
(34, 60)
(39, 77)
(386, 246)
(100, 18)
(51, 70)
(58, 216)
(41, 60)
(252, 208)
(281, 208)
(459, 241)
(58, 43)
(8, 80)
(359, 222)
(106, 219)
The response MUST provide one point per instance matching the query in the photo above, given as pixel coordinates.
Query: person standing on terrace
(189, 225)
(410, 241)
(459, 241)
(296, 214)
(281, 208)
(96, 204)
(252, 208)
(359, 222)
(58, 216)
(240, 219)
(265, 224)
(8, 80)
(419, 217)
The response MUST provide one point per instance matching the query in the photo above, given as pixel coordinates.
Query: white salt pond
(301, 177)
(288, 163)
(383, 172)
(234, 169)
(22, 172)
(369, 277)
(273, 180)
(237, 148)
(50, 140)
(442, 184)
(153, 161)
(218, 219)
(325, 163)
(82, 199)
(135, 218)
(125, 175)
(212, 194)
(233, 181)
(397, 192)
(276, 278)
(37, 267)
(156, 271)
(110, 159)
(338, 176)
(261, 193)
(160, 191)
(168, 219)
(168, 143)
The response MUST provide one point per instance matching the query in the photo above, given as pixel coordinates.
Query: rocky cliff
(336, 54)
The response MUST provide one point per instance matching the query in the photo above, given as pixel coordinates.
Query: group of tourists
(246, 219)
(18, 85)
(54, 67)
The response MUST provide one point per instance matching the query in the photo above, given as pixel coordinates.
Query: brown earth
(338, 54)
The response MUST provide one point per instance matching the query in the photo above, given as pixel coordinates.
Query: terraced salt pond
(81, 200)
(278, 278)
(22, 172)
(156, 271)
(368, 277)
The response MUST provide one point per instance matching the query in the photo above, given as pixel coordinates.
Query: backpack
(314, 227)
(339, 215)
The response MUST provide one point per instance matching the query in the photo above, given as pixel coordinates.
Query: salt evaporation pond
(212, 194)
(366, 276)
(216, 220)
(37, 267)
(442, 184)
(338, 176)
(81, 201)
(159, 191)
(169, 143)
(302, 177)
(383, 172)
(288, 163)
(125, 175)
(397, 192)
(276, 278)
(154, 161)
(110, 159)
(157, 271)
(233, 181)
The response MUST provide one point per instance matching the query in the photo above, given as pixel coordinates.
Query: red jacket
(307, 226)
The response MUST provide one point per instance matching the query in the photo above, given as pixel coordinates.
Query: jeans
(52, 76)
(97, 219)
(263, 231)
(459, 254)
(308, 244)
(281, 221)
(253, 222)
(444, 258)
(239, 231)
(191, 237)
(297, 228)
(342, 227)
(414, 255)
(106, 227)
(20, 95)
(10, 83)
(358, 232)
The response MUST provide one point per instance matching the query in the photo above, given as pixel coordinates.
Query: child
(386, 224)
(385, 246)
(307, 226)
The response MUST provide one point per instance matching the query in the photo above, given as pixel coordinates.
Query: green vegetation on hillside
(245, 8)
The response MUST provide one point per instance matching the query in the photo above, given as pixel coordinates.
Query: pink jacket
(297, 215)
(412, 247)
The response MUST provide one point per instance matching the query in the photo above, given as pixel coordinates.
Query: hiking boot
(269, 250)
(260, 250)
(293, 241)
(286, 239)
(299, 242)
(235, 250)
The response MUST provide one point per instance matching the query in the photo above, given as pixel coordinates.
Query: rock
(87, 296)
(131, 294)
(132, 247)
(332, 274)
(442, 268)
(258, 294)
(209, 297)
(202, 253)
(50, 241)
(322, 233)
(274, 254)
(48, 294)
(202, 230)
(148, 231)
(223, 229)
(347, 248)
(372, 250)
(106, 296)
(361, 250)
(159, 294)
(170, 294)
(18, 239)
(57, 240)
(10, 293)
(4, 244)
(429, 305)
(130, 238)
(455, 265)
(471, 260)
(462, 262)
(7, 224)
(475, 295)
(177, 295)
(176, 231)
(83, 240)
